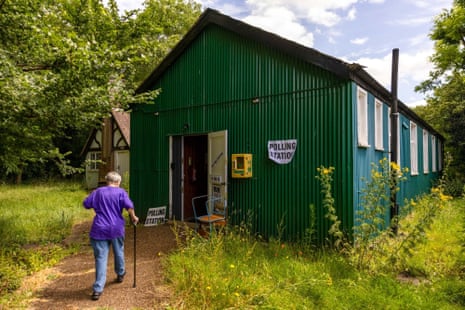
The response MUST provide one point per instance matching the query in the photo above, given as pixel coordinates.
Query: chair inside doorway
(209, 213)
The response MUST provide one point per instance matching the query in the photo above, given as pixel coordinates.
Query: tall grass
(233, 270)
(34, 219)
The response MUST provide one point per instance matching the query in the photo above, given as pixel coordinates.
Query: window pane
(362, 117)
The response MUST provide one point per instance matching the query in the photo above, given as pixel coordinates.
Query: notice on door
(282, 151)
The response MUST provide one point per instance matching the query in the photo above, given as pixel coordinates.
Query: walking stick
(135, 224)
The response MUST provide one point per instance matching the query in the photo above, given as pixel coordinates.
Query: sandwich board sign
(155, 216)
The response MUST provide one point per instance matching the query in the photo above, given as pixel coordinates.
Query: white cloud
(320, 12)
(304, 4)
(413, 69)
(415, 66)
(420, 39)
(323, 17)
(351, 15)
(413, 21)
(379, 68)
(283, 22)
(359, 41)
(421, 3)
(232, 8)
(415, 103)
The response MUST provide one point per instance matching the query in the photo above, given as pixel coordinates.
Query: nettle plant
(375, 201)
(375, 244)
(337, 237)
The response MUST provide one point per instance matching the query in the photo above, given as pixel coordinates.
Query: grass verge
(34, 221)
(232, 270)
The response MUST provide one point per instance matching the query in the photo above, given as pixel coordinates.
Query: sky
(356, 31)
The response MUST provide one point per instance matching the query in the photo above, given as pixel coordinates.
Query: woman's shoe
(96, 295)
(120, 278)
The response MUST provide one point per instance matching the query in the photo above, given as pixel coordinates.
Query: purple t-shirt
(108, 203)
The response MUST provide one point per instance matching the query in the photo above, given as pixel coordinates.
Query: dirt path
(69, 284)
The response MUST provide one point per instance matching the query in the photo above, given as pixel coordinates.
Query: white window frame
(379, 141)
(440, 156)
(390, 137)
(362, 117)
(94, 159)
(389, 133)
(413, 149)
(425, 151)
(433, 154)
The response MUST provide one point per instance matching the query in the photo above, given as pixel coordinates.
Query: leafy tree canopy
(67, 63)
(445, 87)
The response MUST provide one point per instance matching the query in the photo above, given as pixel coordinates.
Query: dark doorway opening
(195, 171)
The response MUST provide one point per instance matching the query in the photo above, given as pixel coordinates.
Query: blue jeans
(101, 249)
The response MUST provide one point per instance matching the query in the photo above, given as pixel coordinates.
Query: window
(390, 137)
(433, 154)
(440, 155)
(425, 152)
(362, 118)
(94, 158)
(389, 134)
(413, 149)
(379, 143)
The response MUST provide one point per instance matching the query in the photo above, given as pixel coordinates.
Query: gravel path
(69, 284)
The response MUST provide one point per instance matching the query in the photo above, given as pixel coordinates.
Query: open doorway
(195, 171)
(198, 167)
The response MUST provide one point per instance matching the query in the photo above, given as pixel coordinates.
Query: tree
(445, 87)
(66, 63)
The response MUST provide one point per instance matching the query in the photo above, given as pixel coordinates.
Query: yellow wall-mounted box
(241, 166)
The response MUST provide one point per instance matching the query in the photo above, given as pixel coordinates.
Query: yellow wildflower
(394, 166)
(444, 197)
(329, 281)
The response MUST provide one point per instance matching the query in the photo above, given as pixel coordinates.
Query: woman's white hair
(113, 177)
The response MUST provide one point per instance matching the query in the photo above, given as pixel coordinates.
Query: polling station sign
(282, 151)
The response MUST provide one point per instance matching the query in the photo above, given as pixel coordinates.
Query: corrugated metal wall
(368, 157)
(212, 87)
(418, 184)
(411, 186)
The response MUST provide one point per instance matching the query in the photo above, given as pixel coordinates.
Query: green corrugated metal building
(229, 88)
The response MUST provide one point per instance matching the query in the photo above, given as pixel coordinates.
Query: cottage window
(439, 155)
(94, 159)
(425, 152)
(362, 118)
(433, 154)
(413, 148)
(379, 143)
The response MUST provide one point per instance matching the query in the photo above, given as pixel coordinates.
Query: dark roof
(350, 71)
(123, 120)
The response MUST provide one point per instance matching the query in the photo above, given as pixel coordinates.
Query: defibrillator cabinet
(241, 165)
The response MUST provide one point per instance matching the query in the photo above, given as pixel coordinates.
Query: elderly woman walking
(108, 228)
